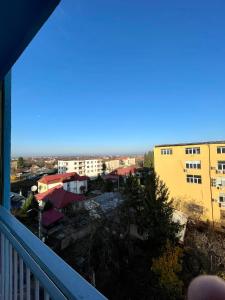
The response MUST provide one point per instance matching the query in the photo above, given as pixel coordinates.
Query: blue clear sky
(120, 76)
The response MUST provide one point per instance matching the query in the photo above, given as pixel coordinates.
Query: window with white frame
(220, 181)
(193, 164)
(193, 150)
(168, 151)
(194, 179)
(221, 150)
(221, 165)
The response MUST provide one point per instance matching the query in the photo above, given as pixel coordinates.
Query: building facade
(195, 177)
(88, 167)
(127, 161)
(112, 164)
(70, 182)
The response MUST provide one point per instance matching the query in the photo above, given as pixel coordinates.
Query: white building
(88, 167)
(112, 164)
(127, 161)
(70, 182)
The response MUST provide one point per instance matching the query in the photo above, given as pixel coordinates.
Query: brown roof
(60, 198)
(65, 177)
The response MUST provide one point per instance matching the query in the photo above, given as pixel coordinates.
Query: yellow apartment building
(195, 176)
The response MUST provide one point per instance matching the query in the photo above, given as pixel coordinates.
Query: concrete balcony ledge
(22, 254)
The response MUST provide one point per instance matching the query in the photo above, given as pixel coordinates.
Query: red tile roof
(110, 177)
(124, 171)
(65, 177)
(59, 197)
(42, 196)
(51, 216)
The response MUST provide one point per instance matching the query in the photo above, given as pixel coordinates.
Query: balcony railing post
(5, 134)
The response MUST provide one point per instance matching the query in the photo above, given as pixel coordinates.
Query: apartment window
(220, 182)
(213, 181)
(221, 150)
(193, 164)
(166, 151)
(75, 162)
(222, 198)
(195, 150)
(221, 166)
(194, 179)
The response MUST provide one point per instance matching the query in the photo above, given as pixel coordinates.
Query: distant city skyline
(80, 155)
(118, 77)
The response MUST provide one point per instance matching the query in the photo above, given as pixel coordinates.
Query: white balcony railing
(31, 270)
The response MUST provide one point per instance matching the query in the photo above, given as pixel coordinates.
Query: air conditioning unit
(219, 185)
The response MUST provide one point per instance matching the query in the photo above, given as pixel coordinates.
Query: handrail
(68, 281)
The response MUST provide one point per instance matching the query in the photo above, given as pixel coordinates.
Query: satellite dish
(33, 188)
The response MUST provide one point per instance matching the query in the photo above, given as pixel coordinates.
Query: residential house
(61, 199)
(126, 171)
(70, 182)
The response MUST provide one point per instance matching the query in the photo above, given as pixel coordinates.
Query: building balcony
(31, 270)
(220, 171)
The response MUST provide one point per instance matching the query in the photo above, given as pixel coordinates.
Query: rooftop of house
(65, 177)
(59, 197)
(190, 144)
(124, 170)
(111, 159)
(42, 196)
(80, 159)
(112, 177)
(51, 216)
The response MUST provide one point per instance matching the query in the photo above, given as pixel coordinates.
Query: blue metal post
(6, 139)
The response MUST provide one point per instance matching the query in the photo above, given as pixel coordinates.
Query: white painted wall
(112, 165)
(88, 167)
(51, 185)
(74, 186)
(129, 161)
